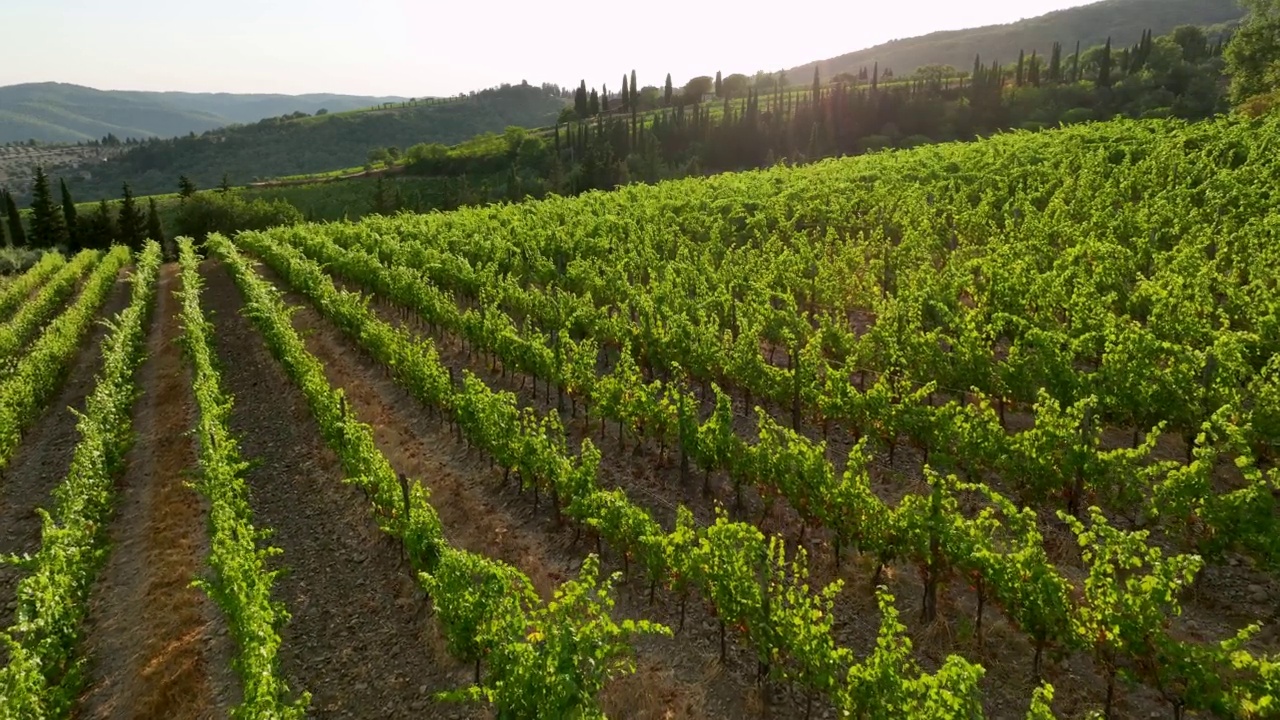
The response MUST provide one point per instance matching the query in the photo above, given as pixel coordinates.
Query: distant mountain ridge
(62, 112)
(1121, 20)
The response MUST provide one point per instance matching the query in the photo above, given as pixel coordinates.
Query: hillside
(60, 112)
(278, 147)
(1122, 20)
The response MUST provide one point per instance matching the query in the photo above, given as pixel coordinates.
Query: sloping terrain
(1122, 20)
(275, 147)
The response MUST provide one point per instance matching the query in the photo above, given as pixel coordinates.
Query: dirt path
(678, 678)
(157, 646)
(361, 639)
(44, 457)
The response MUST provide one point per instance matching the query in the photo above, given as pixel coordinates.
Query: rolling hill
(59, 112)
(1122, 20)
(277, 147)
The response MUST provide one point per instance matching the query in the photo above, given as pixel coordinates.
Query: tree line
(58, 224)
(717, 123)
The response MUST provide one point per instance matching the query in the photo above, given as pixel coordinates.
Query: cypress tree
(719, 85)
(580, 106)
(1033, 70)
(72, 220)
(47, 227)
(1075, 64)
(1022, 68)
(17, 236)
(100, 228)
(604, 99)
(635, 92)
(1104, 66)
(130, 228)
(186, 188)
(626, 94)
(666, 93)
(593, 107)
(1055, 63)
(817, 86)
(155, 230)
(4, 234)
(875, 76)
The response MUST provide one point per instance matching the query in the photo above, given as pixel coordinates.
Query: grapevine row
(542, 658)
(1061, 456)
(745, 576)
(35, 313)
(928, 530)
(42, 368)
(20, 288)
(44, 674)
(238, 552)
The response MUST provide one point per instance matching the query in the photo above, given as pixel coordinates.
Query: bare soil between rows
(653, 481)
(157, 646)
(676, 677)
(360, 639)
(43, 459)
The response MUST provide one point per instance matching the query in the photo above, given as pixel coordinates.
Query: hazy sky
(401, 47)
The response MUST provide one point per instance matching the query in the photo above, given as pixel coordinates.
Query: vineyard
(970, 430)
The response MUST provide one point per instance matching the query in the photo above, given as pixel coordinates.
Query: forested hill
(1123, 21)
(60, 112)
(278, 147)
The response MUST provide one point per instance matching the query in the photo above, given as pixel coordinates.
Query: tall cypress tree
(155, 230)
(719, 85)
(17, 235)
(580, 100)
(666, 93)
(1104, 66)
(1033, 70)
(99, 228)
(130, 228)
(593, 107)
(635, 92)
(625, 97)
(1022, 67)
(1055, 63)
(817, 85)
(69, 216)
(1075, 64)
(47, 227)
(4, 234)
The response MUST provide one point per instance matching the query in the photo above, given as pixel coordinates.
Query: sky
(413, 49)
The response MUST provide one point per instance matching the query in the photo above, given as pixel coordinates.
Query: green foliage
(98, 230)
(1253, 55)
(48, 229)
(17, 235)
(278, 147)
(238, 552)
(34, 314)
(14, 293)
(44, 674)
(70, 219)
(571, 647)
(209, 212)
(560, 653)
(130, 224)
